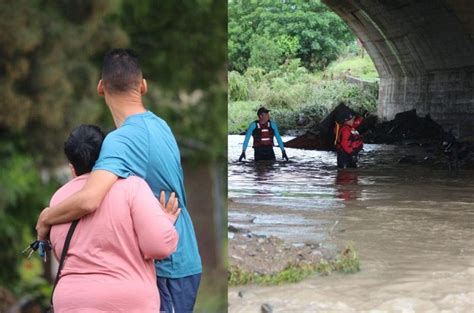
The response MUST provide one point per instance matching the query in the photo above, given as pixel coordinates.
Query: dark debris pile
(407, 128)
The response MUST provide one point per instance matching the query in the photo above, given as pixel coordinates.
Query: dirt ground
(269, 255)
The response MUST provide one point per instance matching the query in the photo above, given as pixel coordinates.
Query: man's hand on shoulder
(171, 208)
(42, 229)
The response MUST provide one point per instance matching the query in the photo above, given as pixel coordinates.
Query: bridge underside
(424, 53)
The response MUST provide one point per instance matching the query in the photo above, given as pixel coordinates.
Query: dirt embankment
(270, 255)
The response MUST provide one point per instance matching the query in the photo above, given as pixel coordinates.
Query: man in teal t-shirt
(142, 145)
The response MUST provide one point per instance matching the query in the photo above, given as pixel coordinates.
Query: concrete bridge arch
(424, 53)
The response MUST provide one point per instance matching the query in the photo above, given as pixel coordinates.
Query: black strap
(63, 255)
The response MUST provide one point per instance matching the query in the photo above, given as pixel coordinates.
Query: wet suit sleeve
(277, 135)
(250, 130)
(157, 237)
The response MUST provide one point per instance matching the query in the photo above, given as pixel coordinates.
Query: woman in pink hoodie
(109, 264)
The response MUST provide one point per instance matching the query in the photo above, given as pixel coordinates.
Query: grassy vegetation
(358, 66)
(347, 262)
(241, 113)
(32, 286)
(292, 93)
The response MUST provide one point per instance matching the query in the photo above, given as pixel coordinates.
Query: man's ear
(100, 88)
(73, 171)
(143, 87)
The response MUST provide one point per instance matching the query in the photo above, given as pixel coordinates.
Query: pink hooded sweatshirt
(109, 265)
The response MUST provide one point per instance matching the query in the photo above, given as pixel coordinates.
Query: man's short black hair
(121, 71)
(262, 110)
(82, 148)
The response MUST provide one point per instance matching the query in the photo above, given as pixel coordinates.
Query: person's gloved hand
(242, 156)
(284, 156)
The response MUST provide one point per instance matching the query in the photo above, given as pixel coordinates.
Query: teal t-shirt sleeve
(114, 155)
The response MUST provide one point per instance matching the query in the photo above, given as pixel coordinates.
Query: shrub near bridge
(291, 92)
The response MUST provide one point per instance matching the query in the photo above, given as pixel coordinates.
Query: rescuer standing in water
(348, 141)
(263, 130)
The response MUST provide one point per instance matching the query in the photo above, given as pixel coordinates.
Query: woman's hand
(171, 208)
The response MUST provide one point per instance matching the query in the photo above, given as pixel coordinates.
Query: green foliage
(48, 74)
(346, 262)
(50, 62)
(48, 52)
(298, 29)
(21, 191)
(32, 285)
(291, 91)
(182, 47)
(238, 87)
(197, 119)
(358, 66)
(241, 113)
(182, 44)
(288, 45)
(238, 276)
(265, 53)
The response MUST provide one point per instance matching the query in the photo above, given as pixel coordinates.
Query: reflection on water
(413, 227)
(346, 184)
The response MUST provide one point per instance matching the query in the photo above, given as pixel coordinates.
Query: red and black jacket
(348, 138)
(263, 134)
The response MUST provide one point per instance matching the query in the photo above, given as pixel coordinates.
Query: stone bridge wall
(424, 53)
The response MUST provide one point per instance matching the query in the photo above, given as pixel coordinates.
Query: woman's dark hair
(82, 148)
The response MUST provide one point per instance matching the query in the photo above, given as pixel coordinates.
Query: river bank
(410, 221)
(258, 258)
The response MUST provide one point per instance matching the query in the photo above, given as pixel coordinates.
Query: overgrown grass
(324, 97)
(358, 66)
(346, 262)
(241, 113)
(292, 93)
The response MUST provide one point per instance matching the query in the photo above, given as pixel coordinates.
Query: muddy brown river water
(412, 225)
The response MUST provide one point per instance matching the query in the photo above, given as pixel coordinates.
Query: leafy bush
(290, 92)
(238, 87)
(241, 114)
(265, 53)
(308, 30)
(21, 191)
